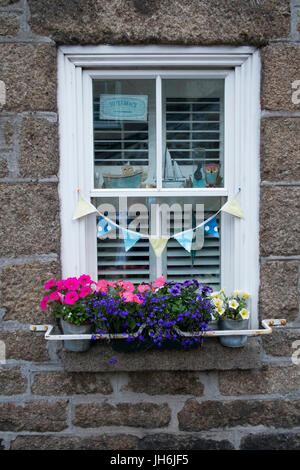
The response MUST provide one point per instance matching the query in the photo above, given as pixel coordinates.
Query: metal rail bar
(266, 330)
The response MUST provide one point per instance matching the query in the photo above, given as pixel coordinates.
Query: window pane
(159, 216)
(124, 133)
(193, 133)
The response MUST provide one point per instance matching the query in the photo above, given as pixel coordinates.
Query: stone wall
(43, 404)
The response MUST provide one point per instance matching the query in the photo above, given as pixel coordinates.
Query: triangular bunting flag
(233, 208)
(185, 239)
(104, 226)
(158, 245)
(83, 208)
(211, 228)
(130, 238)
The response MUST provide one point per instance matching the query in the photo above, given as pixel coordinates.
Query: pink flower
(137, 299)
(71, 297)
(72, 283)
(44, 302)
(111, 284)
(50, 284)
(84, 291)
(84, 279)
(159, 282)
(55, 295)
(127, 285)
(101, 286)
(61, 285)
(143, 287)
(128, 296)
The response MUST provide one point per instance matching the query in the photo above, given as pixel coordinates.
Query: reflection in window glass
(193, 133)
(124, 133)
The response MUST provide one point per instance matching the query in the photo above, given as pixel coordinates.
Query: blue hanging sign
(124, 107)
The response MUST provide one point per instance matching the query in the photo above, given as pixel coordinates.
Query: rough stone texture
(280, 149)
(279, 290)
(164, 22)
(3, 168)
(212, 356)
(280, 68)
(280, 342)
(140, 415)
(4, 3)
(165, 383)
(9, 25)
(24, 346)
(6, 132)
(280, 221)
(30, 279)
(282, 441)
(214, 414)
(61, 383)
(29, 219)
(29, 73)
(175, 442)
(39, 416)
(102, 442)
(38, 148)
(269, 379)
(12, 381)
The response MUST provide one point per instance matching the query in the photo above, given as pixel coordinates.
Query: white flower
(236, 293)
(217, 302)
(233, 304)
(212, 295)
(220, 310)
(245, 294)
(244, 313)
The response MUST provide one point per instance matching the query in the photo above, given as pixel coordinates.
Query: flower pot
(76, 345)
(233, 341)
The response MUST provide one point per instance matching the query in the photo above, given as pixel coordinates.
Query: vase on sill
(76, 345)
(213, 325)
(235, 341)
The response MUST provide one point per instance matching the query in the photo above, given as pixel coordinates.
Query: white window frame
(240, 67)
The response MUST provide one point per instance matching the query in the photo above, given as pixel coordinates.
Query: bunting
(211, 227)
(130, 238)
(233, 208)
(83, 208)
(158, 245)
(185, 239)
(104, 226)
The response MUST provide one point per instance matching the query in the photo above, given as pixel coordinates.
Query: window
(137, 137)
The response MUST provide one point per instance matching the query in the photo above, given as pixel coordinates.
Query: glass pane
(124, 133)
(166, 217)
(193, 121)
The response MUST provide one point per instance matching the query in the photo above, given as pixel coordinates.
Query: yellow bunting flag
(83, 208)
(233, 208)
(158, 245)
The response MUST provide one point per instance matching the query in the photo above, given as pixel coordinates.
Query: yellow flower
(220, 310)
(222, 292)
(217, 302)
(244, 313)
(233, 304)
(236, 293)
(245, 294)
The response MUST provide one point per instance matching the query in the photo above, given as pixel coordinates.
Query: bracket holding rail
(267, 329)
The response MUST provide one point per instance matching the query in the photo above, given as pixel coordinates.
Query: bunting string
(184, 238)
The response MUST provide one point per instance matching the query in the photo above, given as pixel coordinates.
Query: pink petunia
(159, 282)
(111, 284)
(127, 285)
(72, 283)
(128, 296)
(61, 285)
(55, 295)
(71, 297)
(84, 279)
(143, 287)
(84, 291)
(50, 284)
(101, 286)
(44, 302)
(137, 299)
